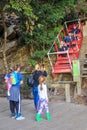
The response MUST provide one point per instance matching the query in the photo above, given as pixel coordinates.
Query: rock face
(2, 86)
(12, 22)
(85, 29)
(10, 52)
(11, 33)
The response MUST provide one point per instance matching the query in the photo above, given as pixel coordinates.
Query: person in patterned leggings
(43, 99)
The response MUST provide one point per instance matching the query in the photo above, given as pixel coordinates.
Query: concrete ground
(65, 116)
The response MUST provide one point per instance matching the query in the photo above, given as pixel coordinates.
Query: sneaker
(20, 117)
(14, 115)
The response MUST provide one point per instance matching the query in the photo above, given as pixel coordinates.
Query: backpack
(14, 78)
(30, 81)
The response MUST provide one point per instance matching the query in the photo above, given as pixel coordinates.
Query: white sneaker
(14, 116)
(20, 117)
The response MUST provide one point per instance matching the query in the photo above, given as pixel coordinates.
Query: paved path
(65, 116)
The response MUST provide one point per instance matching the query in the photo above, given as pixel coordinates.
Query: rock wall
(2, 86)
(12, 22)
(85, 29)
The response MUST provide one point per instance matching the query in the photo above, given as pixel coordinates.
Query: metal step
(62, 66)
(63, 71)
(84, 69)
(63, 61)
(83, 76)
(86, 55)
(82, 60)
(84, 73)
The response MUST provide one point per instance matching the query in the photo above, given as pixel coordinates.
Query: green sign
(76, 70)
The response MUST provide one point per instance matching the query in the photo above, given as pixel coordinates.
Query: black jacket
(36, 75)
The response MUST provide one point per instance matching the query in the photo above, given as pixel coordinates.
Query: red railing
(61, 62)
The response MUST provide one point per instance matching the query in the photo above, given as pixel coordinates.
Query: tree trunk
(5, 39)
(31, 48)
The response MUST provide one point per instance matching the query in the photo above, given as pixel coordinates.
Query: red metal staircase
(63, 64)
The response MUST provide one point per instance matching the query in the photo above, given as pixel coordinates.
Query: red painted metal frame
(64, 64)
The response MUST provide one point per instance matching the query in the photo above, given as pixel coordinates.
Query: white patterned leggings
(42, 104)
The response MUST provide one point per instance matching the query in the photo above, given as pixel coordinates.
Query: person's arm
(44, 73)
(21, 82)
(6, 80)
(21, 78)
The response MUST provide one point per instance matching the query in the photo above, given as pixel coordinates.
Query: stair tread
(63, 62)
(84, 73)
(83, 76)
(62, 71)
(84, 69)
(57, 66)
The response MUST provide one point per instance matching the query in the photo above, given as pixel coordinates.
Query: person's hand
(21, 82)
(44, 68)
(47, 100)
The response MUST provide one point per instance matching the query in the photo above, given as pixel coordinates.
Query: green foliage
(24, 38)
(39, 54)
(26, 90)
(82, 4)
(45, 21)
(21, 8)
(32, 62)
(49, 16)
(25, 76)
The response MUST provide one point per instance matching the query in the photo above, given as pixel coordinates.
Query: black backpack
(30, 81)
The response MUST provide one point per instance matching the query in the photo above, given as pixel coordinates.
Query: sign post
(76, 74)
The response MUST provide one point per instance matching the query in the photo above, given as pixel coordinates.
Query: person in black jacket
(39, 70)
(69, 38)
(75, 30)
(63, 47)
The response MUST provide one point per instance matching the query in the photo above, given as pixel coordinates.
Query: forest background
(40, 22)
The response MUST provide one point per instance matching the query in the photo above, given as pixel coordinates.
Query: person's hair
(37, 66)
(16, 67)
(42, 65)
(10, 70)
(41, 80)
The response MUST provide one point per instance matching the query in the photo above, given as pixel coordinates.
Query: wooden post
(79, 86)
(67, 92)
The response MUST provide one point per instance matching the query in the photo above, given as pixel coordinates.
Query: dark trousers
(14, 107)
(36, 96)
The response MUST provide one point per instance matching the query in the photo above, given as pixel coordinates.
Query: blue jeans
(36, 96)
